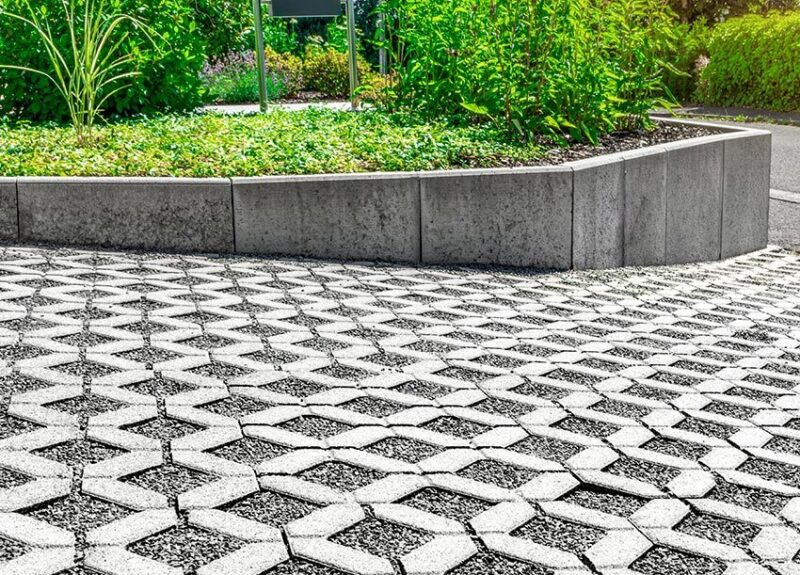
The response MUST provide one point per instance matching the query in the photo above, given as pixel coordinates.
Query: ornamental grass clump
(90, 67)
(564, 68)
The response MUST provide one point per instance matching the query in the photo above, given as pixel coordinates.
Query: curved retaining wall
(695, 200)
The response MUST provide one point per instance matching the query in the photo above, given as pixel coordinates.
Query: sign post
(305, 9)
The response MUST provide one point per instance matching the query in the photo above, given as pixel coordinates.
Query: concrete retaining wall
(695, 200)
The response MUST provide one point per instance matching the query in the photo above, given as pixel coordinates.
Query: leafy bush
(714, 10)
(234, 78)
(327, 71)
(754, 63)
(582, 66)
(167, 74)
(687, 56)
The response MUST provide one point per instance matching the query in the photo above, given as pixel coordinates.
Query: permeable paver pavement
(214, 415)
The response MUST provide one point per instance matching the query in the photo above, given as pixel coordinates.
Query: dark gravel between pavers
(78, 513)
(10, 425)
(14, 384)
(186, 547)
(428, 346)
(163, 428)
(303, 567)
(14, 353)
(341, 476)
(602, 365)
(207, 342)
(236, 406)
(574, 377)
(86, 369)
(759, 499)
(169, 479)
(663, 561)
(456, 426)
(730, 410)
(86, 405)
(736, 346)
(12, 549)
(781, 368)
(541, 391)
(564, 535)
(754, 394)
(83, 339)
(424, 389)
(718, 529)
(448, 504)
(649, 392)
(500, 361)
(647, 471)
(374, 406)
(148, 355)
(693, 451)
(79, 453)
(464, 374)
(270, 508)
(503, 407)
(10, 478)
(704, 427)
(535, 350)
(340, 371)
(391, 360)
(219, 370)
(408, 450)
(675, 379)
(784, 444)
(621, 408)
(772, 471)
(586, 426)
(771, 381)
(315, 426)
(718, 356)
(323, 344)
(250, 451)
(600, 499)
(294, 387)
(498, 473)
(697, 366)
(160, 387)
(485, 563)
(546, 448)
(382, 538)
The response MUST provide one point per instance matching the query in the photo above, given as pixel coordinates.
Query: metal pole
(384, 63)
(260, 59)
(352, 49)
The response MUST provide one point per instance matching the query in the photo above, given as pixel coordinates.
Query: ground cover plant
(281, 142)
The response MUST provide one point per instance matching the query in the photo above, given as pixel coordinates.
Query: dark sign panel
(305, 8)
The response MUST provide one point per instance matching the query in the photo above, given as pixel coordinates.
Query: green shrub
(234, 78)
(687, 56)
(754, 63)
(582, 66)
(327, 71)
(168, 74)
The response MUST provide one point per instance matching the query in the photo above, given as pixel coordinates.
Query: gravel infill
(704, 427)
(564, 535)
(730, 410)
(648, 392)
(149, 355)
(160, 387)
(663, 561)
(294, 387)
(455, 426)
(448, 504)
(647, 471)
(340, 371)
(408, 450)
(693, 451)
(541, 391)
(250, 451)
(78, 513)
(302, 567)
(504, 407)
(586, 426)
(758, 499)
(485, 563)
(374, 406)
(11, 549)
(575, 377)
(236, 406)
(79, 453)
(10, 425)
(498, 473)
(10, 478)
(424, 389)
(219, 370)
(271, 508)
(600, 499)
(547, 448)
(170, 480)
(341, 476)
(464, 374)
(382, 538)
(163, 428)
(620, 408)
(186, 547)
(718, 529)
(772, 471)
(315, 426)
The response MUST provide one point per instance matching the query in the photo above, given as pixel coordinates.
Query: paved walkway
(215, 415)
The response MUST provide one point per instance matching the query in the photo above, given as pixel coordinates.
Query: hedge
(755, 62)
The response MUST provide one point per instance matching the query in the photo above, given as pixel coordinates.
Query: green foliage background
(755, 62)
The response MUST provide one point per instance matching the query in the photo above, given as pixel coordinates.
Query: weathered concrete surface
(694, 201)
(645, 207)
(351, 216)
(8, 210)
(135, 213)
(745, 203)
(517, 217)
(599, 214)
